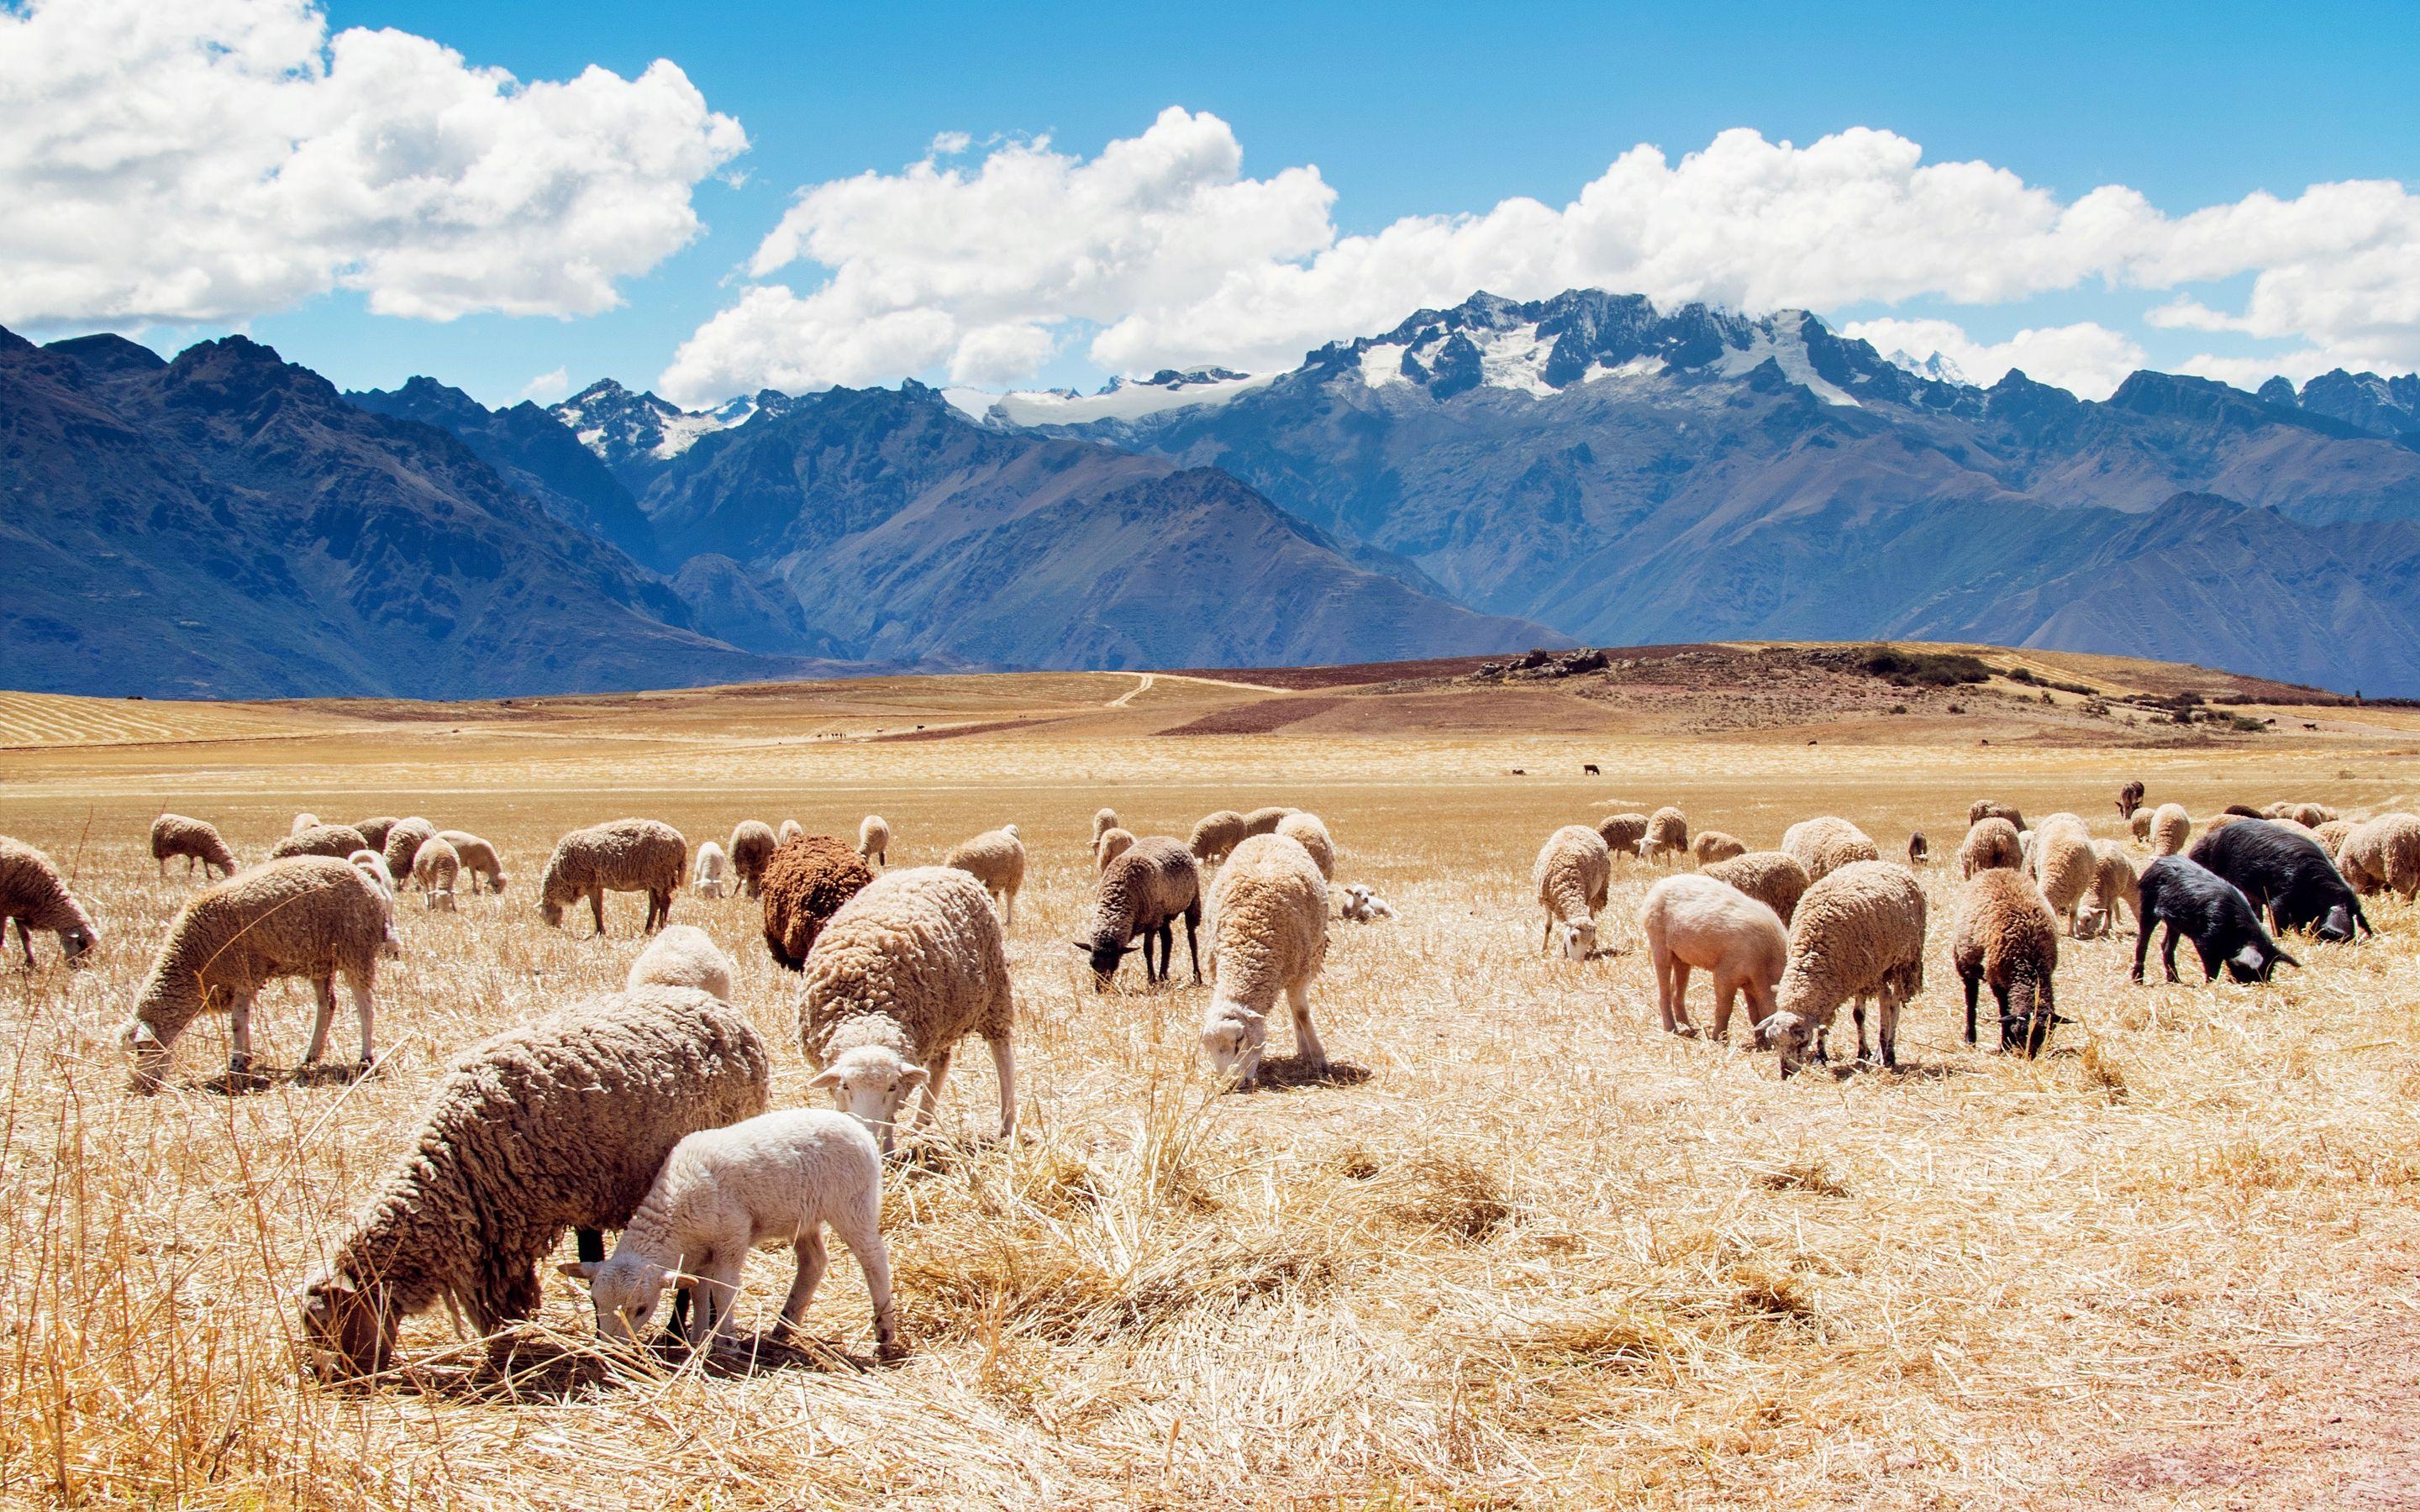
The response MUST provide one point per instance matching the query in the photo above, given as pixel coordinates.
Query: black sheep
(2191, 899)
(2282, 868)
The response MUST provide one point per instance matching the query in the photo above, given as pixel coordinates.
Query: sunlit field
(1519, 1247)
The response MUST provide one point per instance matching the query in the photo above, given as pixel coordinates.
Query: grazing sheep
(370, 864)
(996, 859)
(34, 894)
(2331, 836)
(1268, 921)
(1668, 835)
(1982, 808)
(1694, 920)
(1770, 877)
(1362, 906)
(403, 842)
(2243, 810)
(2005, 935)
(753, 844)
(1265, 821)
(2309, 815)
(196, 840)
(1825, 845)
(2170, 825)
(301, 823)
(1571, 875)
(560, 1123)
(374, 831)
(2138, 824)
(1103, 820)
(2190, 898)
(711, 875)
(874, 839)
(1990, 844)
(683, 955)
(2281, 868)
(2382, 853)
(1112, 844)
(435, 867)
(1310, 831)
(1859, 933)
(1143, 892)
(2065, 865)
(1621, 832)
(1215, 835)
(1712, 845)
(776, 1179)
(909, 967)
(805, 884)
(307, 916)
(478, 858)
(1919, 850)
(791, 829)
(2130, 798)
(2113, 882)
(338, 841)
(621, 855)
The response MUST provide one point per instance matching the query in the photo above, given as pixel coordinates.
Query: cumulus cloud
(218, 160)
(548, 386)
(2086, 359)
(1160, 252)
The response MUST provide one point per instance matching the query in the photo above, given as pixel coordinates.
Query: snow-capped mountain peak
(1940, 367)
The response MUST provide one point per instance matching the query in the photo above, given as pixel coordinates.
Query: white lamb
(775, 1179)
(683, 955)
(1694, 920)
(1362, 906)
(713, 873)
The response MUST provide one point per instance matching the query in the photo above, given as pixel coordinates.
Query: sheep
(196, 840)
(2331, 836)
(1919, 850)
(1668, 835)
(1712, 845)
(791, 829)
(339, 841)
(306, 916)
(621, 855)
(1269, 934)
(2115, 881)
(805, 884)
(1982, 808)
(753, 844)
(1859, 933)
(1215, 835)
(776, 1179)
(1143, 893)
(1265, 821)
(2065, 865)
(712, 873)
(1621, 832)
(1571, 875)
(2309, 815)
(301, 823)
(1363, 906)
(403, 842)
(996, 859)
(478, 858)
(374, 831)
(683, 955)
(1103, 820)
(1989, 844)
(1825, 845)
(1771, 878)
(434, 868)
(1310, 831)
(874, 839)
(2381, 853)
(560, 1123)
(370, 864)
(2138, 824)
(34, 894)
(1694, 920)
(2006, 934)
(2170, 825)
(1112, 844)
(2190, 898)
(2130, 798)
(2282, 868)
(910, 967)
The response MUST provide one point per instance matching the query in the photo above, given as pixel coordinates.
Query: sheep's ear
(577, 1270)
(913, 1077)
(2282, 959)
(826, 1079)
(680, 1280)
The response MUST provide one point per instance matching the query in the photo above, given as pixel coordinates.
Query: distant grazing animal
(1571, 875)
(1990, 843)
(1265, 821)
(1589, 769)
(2065, 865)
(303, 822)
(751, 846)
(2130, 798)
(34, 894)
(478, 858)
(2280, 867)
(2005, 935)
(196, 840)
(1104, 820)
(710, 877)
(1712, 845)
(996, 859)
(1668, 835)
(791, 829)
(1112, 844)
(621, 855)
(1268, 920)
(805, 884)
(2139, 825)
(2243, 810)
(874, 839)
(2212, 912)
(1859, 934)
(403, 842)
(2170, 826)
(435, 868)
(1143, 894)
(339, 841)
(1919, 850)
(1694, 920)
(1215, 835)
(374, 831)
(2115, 882)
(1621, 832)
(1982, 808)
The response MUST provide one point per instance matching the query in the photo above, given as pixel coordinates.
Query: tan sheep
(623, 856)
(2115, 882)
(2138, 824)
(2005, 935)
(1112, 844)
(996, 859)
(791, 829)
(1215, 835)
(1771, 878)
(2065, 865)
(2170, 826)
(34, 894)
(1712, 845)
(1268, 932)
(374, 831)
(1143, 893)
(480, 858)
(874, 839)
(1621, 832)
(2382, 853)
(196, 840)
(435, 868)
(1308, 831)
(1824, 844)
(1104, 820)
(1990, 844)
(403, 842)
(307, 916)
(1571, 875)
(1668, 835)
(2333, 834)
(752, 842)
(683, 955)
(1859, 934)
(1696, 921)
(1265, 821)
(301, 823)
(339, 841)
(1982, 808)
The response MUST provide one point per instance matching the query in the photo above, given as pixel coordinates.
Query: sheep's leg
(323, 992)
(1858, 1012)
(1725, 994)
(1662, 961)
(596, 906)
(2168, 952)
(163, 867)
(1306, 1038)
(811, 1261)
(1974, 989)
(1003, 1060)
(363, 1007)
(1681, 1023)
(1546, 942)
(1192, 940)
(1008, 910)
(240, 1028)
(861, 1231)
(24, 937)
(718, 1293)
(1167, 948)
(936, 1071)
(1887, 1030)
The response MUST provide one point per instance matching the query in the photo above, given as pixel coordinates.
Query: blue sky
(1413, 109)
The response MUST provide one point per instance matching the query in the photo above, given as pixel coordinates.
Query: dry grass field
(1520, 1249)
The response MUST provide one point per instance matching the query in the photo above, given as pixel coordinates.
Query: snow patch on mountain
(1939, 366)
(1118, 400)
(1516, 358)
(1383, 364)
(1784, 343)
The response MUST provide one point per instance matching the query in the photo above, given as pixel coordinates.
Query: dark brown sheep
(805, 883)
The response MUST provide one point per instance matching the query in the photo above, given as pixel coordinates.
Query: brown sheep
(623, 856)
(805, 883)
(34, 894)
(374, 831)
(2005, 935)
(1990, 844)
(1143, 892)
(339, 841)
(1982, 808)
(2130, 798)
(1712, 845)
(403, 844)
(1622, 833)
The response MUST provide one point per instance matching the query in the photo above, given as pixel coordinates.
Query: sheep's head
(1105, 954)
(625, 1290)
(1234, 1037)
(870, 1083)
(349, 1327)
(150, 1055)
(551, 912)
(2337, 927)
(498, 882)
(76, 940)
(1578, 939)
(1798, 1038)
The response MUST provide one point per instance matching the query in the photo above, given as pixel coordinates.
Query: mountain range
(1484, 478)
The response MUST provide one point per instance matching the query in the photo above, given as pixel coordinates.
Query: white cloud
(548, 386)
(218, 160)
(2086, 359)
(1161, 252)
